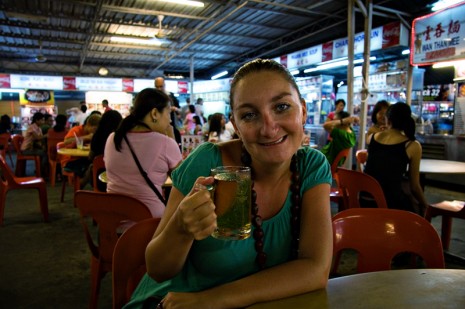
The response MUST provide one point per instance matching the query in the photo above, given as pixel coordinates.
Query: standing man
(160, 85)
(199, 110)
(106, 108)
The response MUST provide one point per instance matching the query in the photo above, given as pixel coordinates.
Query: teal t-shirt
(212, 262)
(341, 139)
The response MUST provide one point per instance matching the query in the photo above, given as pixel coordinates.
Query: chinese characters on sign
(438, 37)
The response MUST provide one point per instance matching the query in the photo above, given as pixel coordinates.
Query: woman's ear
(154, 113)
(304, 111)
(234, 125)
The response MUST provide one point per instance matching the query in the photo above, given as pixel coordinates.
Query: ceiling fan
(160, 34)
(40, 57)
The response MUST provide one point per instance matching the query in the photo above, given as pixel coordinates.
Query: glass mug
(231, 194)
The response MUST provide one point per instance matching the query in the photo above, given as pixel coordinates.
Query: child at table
(85, 132)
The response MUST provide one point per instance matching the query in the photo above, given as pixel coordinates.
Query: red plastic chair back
(352, 183)
(362, 157)
(129, 260)
(53, 158)
(21, 159)
(343, 154)
(108, 211)
(98, 167)
(378, 235)
(336, 194)
(8, 181)
(5, 146)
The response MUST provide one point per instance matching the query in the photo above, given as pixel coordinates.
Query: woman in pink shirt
(147, 130)
(189, 122)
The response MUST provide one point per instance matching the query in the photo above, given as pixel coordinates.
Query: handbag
(144, 173)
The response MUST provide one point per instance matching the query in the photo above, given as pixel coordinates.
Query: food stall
(439, 39)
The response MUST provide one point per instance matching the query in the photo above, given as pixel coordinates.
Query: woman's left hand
(174, 300)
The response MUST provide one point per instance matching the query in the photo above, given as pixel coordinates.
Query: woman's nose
(269, 127)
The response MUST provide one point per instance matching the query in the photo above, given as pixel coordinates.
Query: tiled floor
(47, 265)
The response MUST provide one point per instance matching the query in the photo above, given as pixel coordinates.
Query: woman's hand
(174, 300)
(196, 212)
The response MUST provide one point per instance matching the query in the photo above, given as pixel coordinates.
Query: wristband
(342, 122)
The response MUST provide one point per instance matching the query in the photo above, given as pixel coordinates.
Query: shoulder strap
(144, 173)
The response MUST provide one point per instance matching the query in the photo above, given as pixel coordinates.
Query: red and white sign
(438, 37)
(5, 81)
(183, 87)
(327, 52)
(391, 35)
(283, 60)
(128, 85)
(69, 83)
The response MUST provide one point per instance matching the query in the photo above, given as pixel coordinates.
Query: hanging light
(102, 71)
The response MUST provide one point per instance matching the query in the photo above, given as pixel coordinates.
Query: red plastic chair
(5, 146)
(8, 181)
(335, 194)
(53, 157)
(448, 210)
(352, 183)
(378, 235)
(98, 167)
(129, 260)
(68, 177)
(362, 157)
(109, 211)
(21, 159)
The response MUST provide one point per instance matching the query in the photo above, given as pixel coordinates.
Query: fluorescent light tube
(220, 75)
(186, 2)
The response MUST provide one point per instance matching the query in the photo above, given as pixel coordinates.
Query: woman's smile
(276, 142)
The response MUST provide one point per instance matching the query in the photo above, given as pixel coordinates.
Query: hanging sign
(438, 37)
(37, 97)
(5, 81)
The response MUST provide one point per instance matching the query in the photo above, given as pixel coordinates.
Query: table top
(74, 152)
(103, 178)
(442, 166)
(406, 288)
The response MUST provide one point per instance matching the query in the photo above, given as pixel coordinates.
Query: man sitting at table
(84, 132)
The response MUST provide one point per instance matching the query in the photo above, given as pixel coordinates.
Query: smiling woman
(290, 184)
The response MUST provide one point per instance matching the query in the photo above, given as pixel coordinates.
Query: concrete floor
(46, 265)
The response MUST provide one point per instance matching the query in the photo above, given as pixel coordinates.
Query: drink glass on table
(79, 143)
(231, 194)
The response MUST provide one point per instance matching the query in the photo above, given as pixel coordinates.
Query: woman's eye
(248, 116)
(282, 107)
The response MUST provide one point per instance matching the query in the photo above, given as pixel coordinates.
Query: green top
(341, 139)
(212, 262)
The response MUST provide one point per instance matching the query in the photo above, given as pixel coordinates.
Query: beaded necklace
(258, 233)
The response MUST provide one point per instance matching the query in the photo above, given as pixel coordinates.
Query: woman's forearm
(295, 277)
(166, 254)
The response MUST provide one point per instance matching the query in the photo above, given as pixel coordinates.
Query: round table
(429, 166)
(74, 152)
(407, 288)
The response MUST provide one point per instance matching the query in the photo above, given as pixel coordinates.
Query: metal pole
(365, 74)
(408, 95)
(350, 66)
(192, 80)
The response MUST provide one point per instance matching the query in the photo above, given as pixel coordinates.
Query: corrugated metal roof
(75, 36)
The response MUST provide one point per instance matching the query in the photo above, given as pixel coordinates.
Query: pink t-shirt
(29, 136)
(157, 154)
